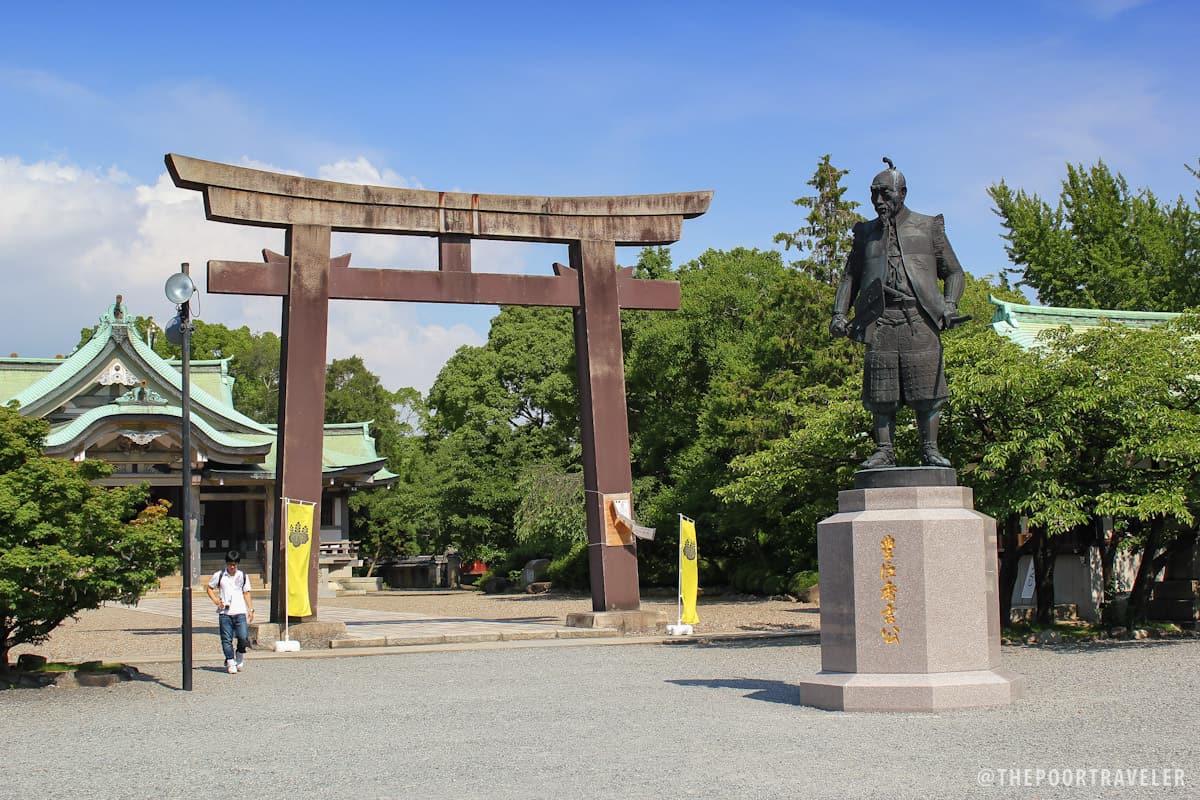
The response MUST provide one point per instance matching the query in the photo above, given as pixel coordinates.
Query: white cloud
(360, 170)
(392, 344)
(72, 238)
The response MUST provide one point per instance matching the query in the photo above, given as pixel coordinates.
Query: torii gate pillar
(593, 285)
(612, 565)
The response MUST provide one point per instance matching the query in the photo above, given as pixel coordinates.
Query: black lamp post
(179, 291)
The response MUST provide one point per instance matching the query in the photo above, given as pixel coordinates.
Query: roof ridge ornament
(117, 313)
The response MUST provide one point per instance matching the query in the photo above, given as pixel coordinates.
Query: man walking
(891, 279)
(229, 589)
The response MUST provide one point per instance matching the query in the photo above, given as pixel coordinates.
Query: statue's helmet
(890, 177)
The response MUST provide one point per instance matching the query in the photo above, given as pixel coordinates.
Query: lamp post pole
(180, 289)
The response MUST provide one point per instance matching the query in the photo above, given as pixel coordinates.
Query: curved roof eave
(175, 379)
(66, 368)
(61, 440)
(36, 395)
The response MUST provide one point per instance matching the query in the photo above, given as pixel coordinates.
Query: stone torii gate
(308, 278)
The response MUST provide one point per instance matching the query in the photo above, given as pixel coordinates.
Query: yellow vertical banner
(299, 548)
(689, 572)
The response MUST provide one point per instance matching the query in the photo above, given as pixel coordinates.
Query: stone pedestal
(640, 621)
(910, 613)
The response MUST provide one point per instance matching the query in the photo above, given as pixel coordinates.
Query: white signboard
(1030, 582)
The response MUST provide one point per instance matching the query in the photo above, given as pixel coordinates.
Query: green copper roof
(65, 370)
(1022, 323)
(65, 434)
(43, 386)
(199, 395)
(18, 374)
(346, 445)
(211, 375)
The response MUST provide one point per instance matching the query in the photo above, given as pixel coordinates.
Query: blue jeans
(232, 625)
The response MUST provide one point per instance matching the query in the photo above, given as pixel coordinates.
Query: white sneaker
(231, 667)
(239, 661)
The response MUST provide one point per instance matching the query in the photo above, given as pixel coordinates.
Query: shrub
(66, 544)
(801, 581)
(570, 571)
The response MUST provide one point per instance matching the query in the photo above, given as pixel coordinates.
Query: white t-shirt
(232, 589)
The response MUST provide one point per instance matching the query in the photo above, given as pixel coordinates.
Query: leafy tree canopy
(827, 237)
(65, 544)
(1103, 245)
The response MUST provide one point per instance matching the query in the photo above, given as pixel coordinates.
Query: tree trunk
(1009, 533)
(374, 560)
(1043, 572)
(1139, 597)
(1109, 542)
(4, 651)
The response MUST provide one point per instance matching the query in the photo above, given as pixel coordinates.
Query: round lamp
(180, 288)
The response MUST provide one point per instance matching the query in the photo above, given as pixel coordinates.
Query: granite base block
(937, 691)
(640, 621)
(910, 611)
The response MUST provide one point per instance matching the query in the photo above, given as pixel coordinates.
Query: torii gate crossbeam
(307, 279)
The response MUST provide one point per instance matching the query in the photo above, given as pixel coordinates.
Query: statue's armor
(900, 317)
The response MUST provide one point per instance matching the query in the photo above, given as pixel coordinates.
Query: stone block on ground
(316, 635)
(494, 585)
(30, 661)
(263, 635)
(374, 641)
(471, 638)
(415, 640)
(97, 678)
(586, 633)
(66, 680)
(363, 584)
(538, 587)
(534, 570)
(639, 621)
(519, 635)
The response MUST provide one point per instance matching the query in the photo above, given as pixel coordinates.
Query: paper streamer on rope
(623, 516)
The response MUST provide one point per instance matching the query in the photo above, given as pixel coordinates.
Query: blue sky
(542, 98)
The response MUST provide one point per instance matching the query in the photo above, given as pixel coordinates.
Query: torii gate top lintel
(255, 197)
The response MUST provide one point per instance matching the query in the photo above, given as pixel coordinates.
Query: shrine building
(117, 400)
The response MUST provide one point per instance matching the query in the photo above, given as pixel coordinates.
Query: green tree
(551, 516)
(1103, 245)
(67, 545)
(1066, 435)
(355, 394)
(742, 363)
(828, 236)
(495, 411)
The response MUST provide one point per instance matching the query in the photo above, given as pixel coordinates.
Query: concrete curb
(585, 639)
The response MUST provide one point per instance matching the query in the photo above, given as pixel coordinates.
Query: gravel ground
(717, 614)
(118, 634)
(639, 721)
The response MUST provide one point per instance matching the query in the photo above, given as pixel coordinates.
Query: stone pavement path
(376, 628)
(549, 720)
